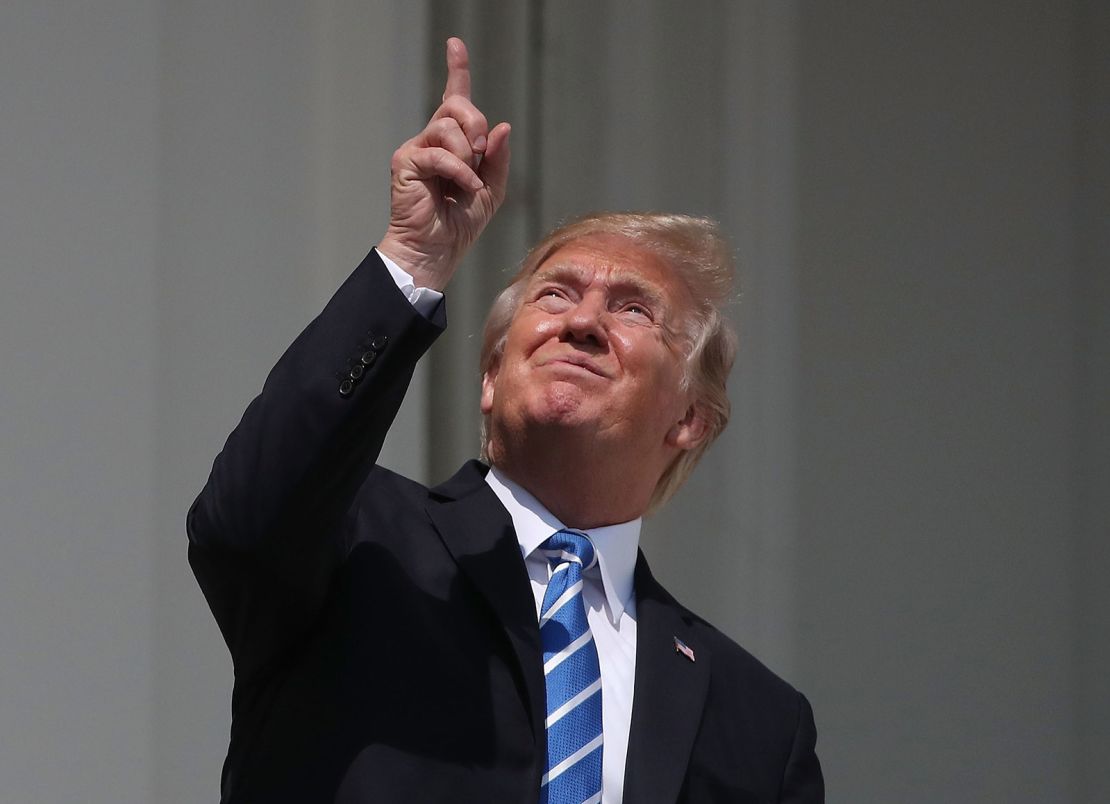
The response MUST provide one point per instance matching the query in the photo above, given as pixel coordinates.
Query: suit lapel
(478, 532)
(669, 696)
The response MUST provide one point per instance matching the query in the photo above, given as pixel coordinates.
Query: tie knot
(569, 545)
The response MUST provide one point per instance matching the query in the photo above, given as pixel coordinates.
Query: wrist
(432, 271)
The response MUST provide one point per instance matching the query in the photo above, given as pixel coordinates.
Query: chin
(552, 406)
(561, 402)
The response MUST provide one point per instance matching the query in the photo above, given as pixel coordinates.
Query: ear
(489, 379)
(690, 431)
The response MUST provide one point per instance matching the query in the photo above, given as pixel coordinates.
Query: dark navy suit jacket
(384, 635)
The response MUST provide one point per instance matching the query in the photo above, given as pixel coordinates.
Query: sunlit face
(598, 345)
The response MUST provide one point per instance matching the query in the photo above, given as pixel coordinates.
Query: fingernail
(479, 145)
(477, 184)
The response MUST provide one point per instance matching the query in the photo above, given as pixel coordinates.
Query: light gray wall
(1091, 487)
(78, 399)
(236, 236)
(937, 389)
(181, 185)
(908, 514)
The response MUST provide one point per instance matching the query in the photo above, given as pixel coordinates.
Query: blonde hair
(694, 248)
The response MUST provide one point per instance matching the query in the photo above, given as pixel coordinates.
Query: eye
(551, 292)
(635, 311)
(551, 298)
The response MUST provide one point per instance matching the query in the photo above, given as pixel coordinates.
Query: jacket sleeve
(802, 781)
(266, 532)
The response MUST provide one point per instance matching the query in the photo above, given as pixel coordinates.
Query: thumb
(494, 170)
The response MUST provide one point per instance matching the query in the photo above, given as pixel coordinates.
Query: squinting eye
(551, 298)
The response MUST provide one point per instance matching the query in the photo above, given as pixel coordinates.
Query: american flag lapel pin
(684, 649)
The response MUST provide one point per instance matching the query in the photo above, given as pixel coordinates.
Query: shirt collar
(616, 545)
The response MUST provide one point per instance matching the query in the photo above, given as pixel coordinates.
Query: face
(597, 345)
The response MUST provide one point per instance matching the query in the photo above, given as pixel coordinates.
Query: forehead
(615, 261)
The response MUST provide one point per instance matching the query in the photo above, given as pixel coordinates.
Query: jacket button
(379, 342)
(368, 357)
(356, 372)
(346, 388)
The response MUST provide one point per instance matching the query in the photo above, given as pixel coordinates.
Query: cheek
(529, 331)
(650, 357)
(625, 342)
(540, 329)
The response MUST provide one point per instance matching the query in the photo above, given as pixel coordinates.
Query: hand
(447, 182)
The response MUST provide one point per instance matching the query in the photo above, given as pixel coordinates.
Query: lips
(577, 360)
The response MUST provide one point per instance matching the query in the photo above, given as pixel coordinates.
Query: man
(496, 638)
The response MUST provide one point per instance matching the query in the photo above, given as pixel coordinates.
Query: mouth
(575, 361)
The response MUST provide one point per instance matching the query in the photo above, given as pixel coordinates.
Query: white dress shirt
(424, 300)
(610, 609)
(607, 587)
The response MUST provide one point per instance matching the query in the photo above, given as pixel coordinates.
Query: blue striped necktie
(573, 771)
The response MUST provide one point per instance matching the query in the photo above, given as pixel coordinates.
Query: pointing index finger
(458, 69)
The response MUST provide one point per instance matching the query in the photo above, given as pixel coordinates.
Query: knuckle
(463, 110)
(444, 132)
(472, 120)
(451, 104)
(479, 121)
(442, 159)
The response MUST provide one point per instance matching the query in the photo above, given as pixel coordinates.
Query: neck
(582, 482)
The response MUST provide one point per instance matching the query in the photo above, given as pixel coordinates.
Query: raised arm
(267, 531)
(447, 182)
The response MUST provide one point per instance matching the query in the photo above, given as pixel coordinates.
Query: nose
(585, 322)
